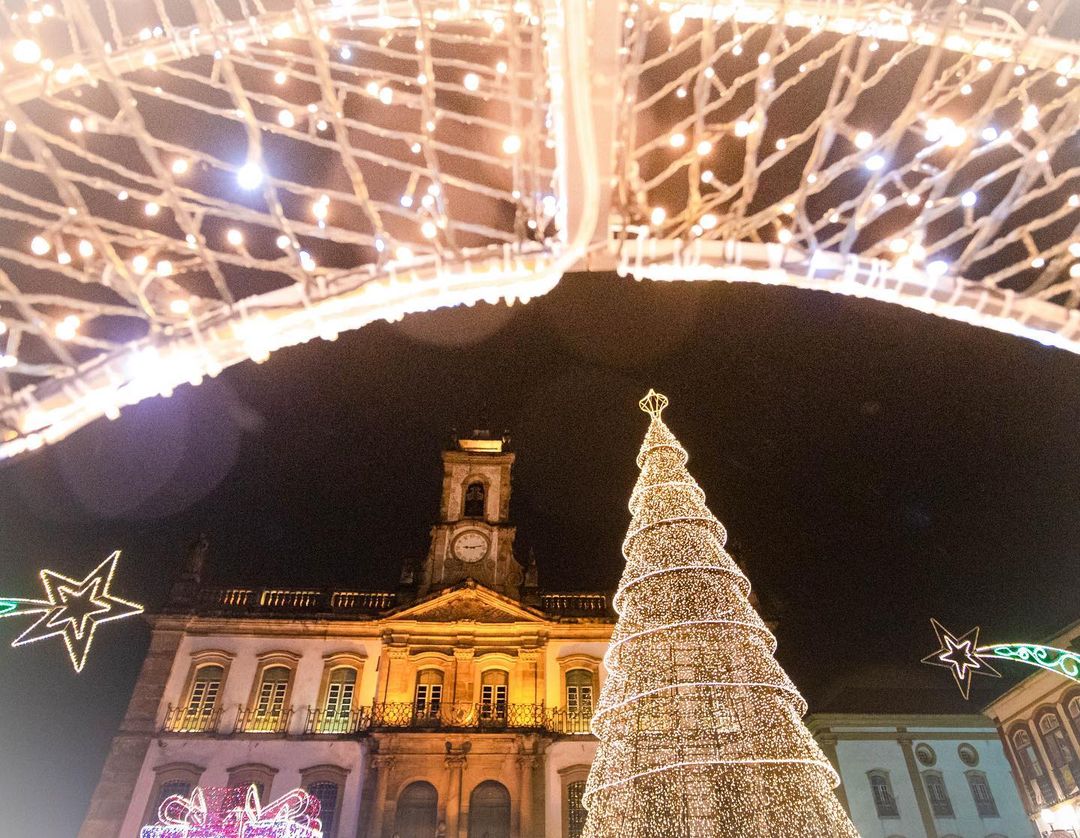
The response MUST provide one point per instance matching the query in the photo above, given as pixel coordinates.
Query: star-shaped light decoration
(73, 609)
(961, 655)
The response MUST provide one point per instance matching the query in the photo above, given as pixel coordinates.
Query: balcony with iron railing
(458, 716)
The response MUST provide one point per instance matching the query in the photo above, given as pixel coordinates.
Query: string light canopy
(700, 729)
(964, 657)
(923, 154)
(188, 185)
(192, 184)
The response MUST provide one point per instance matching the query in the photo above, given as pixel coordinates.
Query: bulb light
(511, 144)
(26, 51)
(249, 176)
(863, 140)
(39, 245)
(471, 81)
(234, 237)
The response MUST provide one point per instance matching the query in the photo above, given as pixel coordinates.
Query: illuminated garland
(234, 812)
(965, 658)
(72, 610)
(700, 729)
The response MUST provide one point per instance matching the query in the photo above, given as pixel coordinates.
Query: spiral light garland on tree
(700, 730)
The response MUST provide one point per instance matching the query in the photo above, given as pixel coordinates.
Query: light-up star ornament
(961, 655)
(73, 609)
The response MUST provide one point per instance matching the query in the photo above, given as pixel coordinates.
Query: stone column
(827, 740)
(455, 766)
(381, 765)
(112, 797)
(527, 766)
(916, 781)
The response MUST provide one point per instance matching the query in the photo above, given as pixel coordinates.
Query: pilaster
(921, 799)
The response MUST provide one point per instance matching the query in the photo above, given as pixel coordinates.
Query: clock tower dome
(473, 538)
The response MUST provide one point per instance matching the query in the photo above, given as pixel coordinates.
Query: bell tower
(473, 538)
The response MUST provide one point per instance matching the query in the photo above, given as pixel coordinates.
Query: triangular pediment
(467, 602)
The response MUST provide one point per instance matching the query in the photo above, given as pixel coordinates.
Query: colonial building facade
(457, 706)
(922, 776)
(1039, 721)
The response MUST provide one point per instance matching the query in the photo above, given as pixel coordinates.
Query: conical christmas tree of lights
(700, 730)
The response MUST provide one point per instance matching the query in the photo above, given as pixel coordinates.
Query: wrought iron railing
(320, 722)
(182, 720)
(249, 720)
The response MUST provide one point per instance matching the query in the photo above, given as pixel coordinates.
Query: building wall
(861, 745)
(1040, 708)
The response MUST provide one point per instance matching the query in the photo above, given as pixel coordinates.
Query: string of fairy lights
(186, 189)
(937, 144)
(699, 728)
(194, 184)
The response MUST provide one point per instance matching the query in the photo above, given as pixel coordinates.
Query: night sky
(874, 467)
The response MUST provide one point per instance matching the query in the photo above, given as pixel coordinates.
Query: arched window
(1072, 710)
(579, 694)
(174, 778)
(1055, 739)
(981, 794)
(940, 803)
(475, 494)
(429, 687)
(1031, 766)
(340, 692)
(269, 712)
(253, 774)
(881, 789)
(493, 686)
(326, 783)
(489, 811)
(576, 810)
(202, 699)
(417, 810)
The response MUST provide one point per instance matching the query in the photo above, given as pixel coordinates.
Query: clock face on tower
(470, 546)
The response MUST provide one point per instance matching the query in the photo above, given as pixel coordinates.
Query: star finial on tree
(653, 403)
(73, 609)
(961, 655)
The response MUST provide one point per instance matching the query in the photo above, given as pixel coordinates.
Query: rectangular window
(327, 795)
(939, 797)
(579, 699)
(493, 701)
(983, 797)
(884, 801)
(339, 700)
(271, 699)
(576, 811)
(428, 699)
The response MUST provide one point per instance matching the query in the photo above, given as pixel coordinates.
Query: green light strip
(7, 606)
(1060, 661)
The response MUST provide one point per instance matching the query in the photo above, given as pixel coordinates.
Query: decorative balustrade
(575, 605)
(181, 720)
(291, 600)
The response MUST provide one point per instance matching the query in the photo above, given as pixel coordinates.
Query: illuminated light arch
(452, 150)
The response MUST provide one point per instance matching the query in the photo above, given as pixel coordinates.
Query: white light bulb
(471, 81)
(898, 245)
(179, 306)
(386, 95)
(968, 199)
(86, 249)
(249, 176)
(429, 230)
(1074, 250)
(511, 144)
(680, 92)
(1038, 262)
(989, 133)
(707, 176)
(67, 328)
(500, 68)
(875, 163)
(180, 166)
(403, 254)
(63, 257)
(704, 147)
(743, 128)
(234, 237)
(26, 51)
(39, 245)
(280, 77)
(164, 268)
(286, 118)
(76, 125)
(152, 209)
(140, 263)
(938, 268)
(677, 140)
(708, 221)
(658, 215)
(863, 140)
(784, 236)
(282, 241)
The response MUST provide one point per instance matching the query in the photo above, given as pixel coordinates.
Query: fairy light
(969, 199)
(164, 268)
(75, 125)
(699, 728)
(152, 209)
(286, 118)
(657, 216)
(180, 306)
(429, 230)
(180, 166)
(511, 144)
(140, 263)
(282, 241)
(63, 257)
(233, 812)
(86, 249)
(677, 140)
(249, 176)
(704, 147)
(39, 245)
(26, 51)
(863, 140)
(280, 77)
(471, 82)
(234, 237)
(68, 328)
(875, 163)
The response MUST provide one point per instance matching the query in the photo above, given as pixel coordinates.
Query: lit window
(429, 685)
(576, 810)
(340, 693)
(579, 692)
(493, 695)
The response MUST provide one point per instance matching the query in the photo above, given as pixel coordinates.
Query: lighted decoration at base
(73, 609)
(965, 657)
(234, 812)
